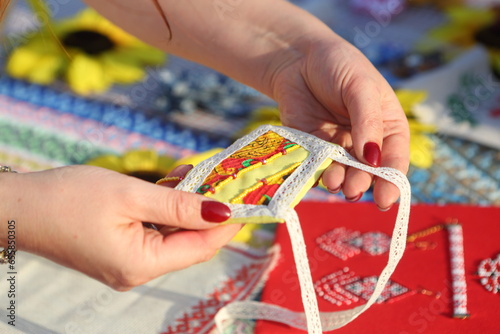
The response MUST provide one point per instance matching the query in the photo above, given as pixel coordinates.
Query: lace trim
(279, 207)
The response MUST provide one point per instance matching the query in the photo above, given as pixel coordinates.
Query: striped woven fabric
(41, 127)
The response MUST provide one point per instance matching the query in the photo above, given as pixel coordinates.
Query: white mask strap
(312, 320)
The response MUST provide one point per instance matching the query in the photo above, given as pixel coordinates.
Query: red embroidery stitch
(344, 243)
(345, 288)
(200, 318)
(338, 242)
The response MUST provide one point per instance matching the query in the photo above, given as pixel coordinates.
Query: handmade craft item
(344, 287)
(459, 284)
(263, 176)
(489, 273)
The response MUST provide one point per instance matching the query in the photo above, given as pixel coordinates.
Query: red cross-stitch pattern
(200, 318)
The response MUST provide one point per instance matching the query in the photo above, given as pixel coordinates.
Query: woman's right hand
(91, 219)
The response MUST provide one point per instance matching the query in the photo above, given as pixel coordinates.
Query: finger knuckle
(126, 279)
(180, 207)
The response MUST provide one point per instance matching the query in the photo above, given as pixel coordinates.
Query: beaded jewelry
(269, 171)
(459, 284)
(489, 273)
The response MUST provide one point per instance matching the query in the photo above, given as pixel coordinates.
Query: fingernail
(215, 212)
(181, 169)
(335, 190)
(355, 198)
(371, 153)
(385, 209)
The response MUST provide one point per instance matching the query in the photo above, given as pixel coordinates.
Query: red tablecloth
(426, 267)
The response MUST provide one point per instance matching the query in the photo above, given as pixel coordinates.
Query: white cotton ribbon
(311, 320)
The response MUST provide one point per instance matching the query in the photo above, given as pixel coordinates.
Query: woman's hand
(91, 219)
(332, 91)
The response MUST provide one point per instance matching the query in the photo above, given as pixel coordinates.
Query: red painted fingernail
(215, 212)
(371, 153)
(335, 191)
(385, 209)
(355, 198)
(181, 169)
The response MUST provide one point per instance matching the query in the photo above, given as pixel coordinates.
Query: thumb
(170, 207)
(365, 111)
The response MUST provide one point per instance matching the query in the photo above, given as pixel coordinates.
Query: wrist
(293, 43)
(11, 199)
(6, 204)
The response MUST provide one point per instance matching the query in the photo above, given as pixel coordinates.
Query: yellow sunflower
(421, 146)
(87, 50)
(462, 26)
(144, 164)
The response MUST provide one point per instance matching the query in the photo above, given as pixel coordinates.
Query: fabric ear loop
(312, 320)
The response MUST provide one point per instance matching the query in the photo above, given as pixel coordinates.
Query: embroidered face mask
(263, 176)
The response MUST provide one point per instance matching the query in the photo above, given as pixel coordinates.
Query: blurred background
(442, 57)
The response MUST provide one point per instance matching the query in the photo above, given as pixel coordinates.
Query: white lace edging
(279, 207)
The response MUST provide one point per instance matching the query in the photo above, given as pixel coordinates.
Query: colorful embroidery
(489, 272)
(261, 151)
(344, 288)
(459, 284)
(265, 189)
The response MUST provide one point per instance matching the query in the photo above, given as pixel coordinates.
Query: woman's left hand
(335, 93)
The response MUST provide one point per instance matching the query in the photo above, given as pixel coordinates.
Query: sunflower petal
(453, 33)
(86, 75)
(21, 62)
(111, 162)
(165, 163)
(408, 98)
(121, 70)
(143, 55)
(421, 151)
(140, 160)
(471, 17)
(199, 157)
(46, 70)
(265, 114)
